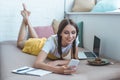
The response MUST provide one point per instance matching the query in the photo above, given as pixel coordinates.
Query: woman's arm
(39, 63)
(59, 62)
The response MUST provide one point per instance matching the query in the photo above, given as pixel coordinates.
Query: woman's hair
(62, 25)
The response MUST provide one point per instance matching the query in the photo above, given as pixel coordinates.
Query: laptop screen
(96, 46)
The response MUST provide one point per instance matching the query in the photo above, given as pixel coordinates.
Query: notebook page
(31, 71)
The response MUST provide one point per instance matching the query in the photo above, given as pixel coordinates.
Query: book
(31, 71)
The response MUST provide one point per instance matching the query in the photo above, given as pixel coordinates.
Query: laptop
(94, 54)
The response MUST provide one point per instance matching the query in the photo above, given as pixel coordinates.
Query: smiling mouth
(70, 40)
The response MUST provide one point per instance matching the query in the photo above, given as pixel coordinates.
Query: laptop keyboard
(81, 55)
(89, 54)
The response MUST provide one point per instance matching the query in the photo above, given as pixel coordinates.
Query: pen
(22, 69)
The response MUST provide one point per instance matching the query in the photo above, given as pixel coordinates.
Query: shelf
(94, 13)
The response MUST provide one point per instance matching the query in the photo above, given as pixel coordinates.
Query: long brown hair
(62, 25)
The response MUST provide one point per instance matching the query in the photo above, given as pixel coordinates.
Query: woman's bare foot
(25, 13)
(25, 16)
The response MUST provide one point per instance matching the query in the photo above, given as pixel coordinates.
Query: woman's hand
(66, 69)
(58, 62)
(61, 67)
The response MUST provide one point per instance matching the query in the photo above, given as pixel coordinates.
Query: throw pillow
(106, 5)
(55, 25)
(83, 5)
(80, 34)
(34, 45)
(44, 31)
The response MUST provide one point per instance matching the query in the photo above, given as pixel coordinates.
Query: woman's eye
(66, 32)
(73, 32)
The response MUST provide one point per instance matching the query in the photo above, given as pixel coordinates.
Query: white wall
(106, 27)
(42, 13)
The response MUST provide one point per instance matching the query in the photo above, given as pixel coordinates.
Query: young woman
(62, 47)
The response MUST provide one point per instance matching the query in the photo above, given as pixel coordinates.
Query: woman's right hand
(65, 69)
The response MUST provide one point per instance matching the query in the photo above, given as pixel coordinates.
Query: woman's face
(68, 35)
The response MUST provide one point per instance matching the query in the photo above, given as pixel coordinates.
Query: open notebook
(31, 71)
(94, 54)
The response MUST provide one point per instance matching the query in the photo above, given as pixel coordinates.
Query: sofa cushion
(55, 25)
(106, 5)
(44, 31)
(11, 58)
(83, 5)
(80, 34)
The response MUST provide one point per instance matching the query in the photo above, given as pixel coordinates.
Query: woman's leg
(31, 30)
(26, 25)
(22, 35)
